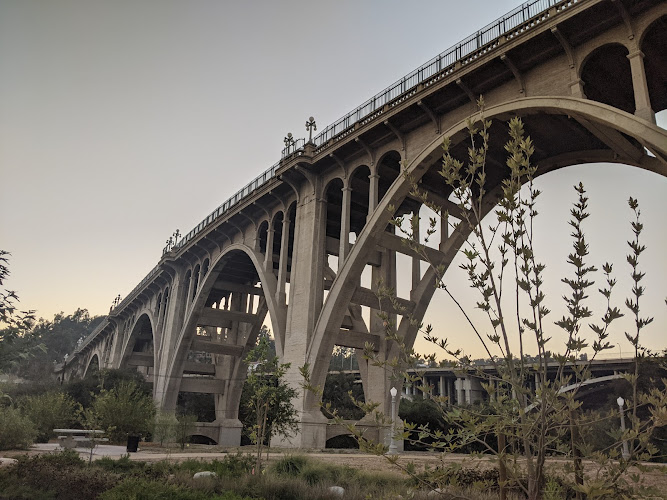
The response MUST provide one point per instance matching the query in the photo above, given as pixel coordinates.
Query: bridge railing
(252, 186)
(446, 59)
(449, 57)
(103, 324)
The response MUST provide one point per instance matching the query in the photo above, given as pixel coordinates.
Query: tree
(501, 256)
(17, 342)
(84, 391)
(269, 398)
(16, 431)
(340, 391)
(184, 427)
(517, 427)
(164, 427)
(49, 411)
(123, 411)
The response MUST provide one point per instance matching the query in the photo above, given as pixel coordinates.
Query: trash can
(133, 443)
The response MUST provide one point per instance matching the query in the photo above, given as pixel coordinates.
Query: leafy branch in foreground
(519, 425)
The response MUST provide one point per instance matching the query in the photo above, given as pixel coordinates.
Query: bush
(63, 475)
(152, 490)
(289, 465)
(455, 475)
(184, 427)
(230, 466)
(49, 411)
(122, 466)
(123, 411)
(16, 431)
(164, 427)
(83, 391)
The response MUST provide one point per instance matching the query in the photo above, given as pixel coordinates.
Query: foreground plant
(518, 425)
(269, 398)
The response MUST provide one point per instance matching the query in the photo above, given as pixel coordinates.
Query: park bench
(79, 438)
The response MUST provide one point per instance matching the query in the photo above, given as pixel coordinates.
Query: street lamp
(626, 453)
(393, 449)
(289, 142)
(310, 126)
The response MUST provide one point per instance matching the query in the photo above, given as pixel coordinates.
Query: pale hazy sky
(121, 121)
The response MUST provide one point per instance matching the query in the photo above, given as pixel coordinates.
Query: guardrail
(443, 62)
(103, 324)
(485, 36)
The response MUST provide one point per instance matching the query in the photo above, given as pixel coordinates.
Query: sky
(121, 121)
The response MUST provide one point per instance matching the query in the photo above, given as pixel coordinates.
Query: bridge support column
(306, 297)
(344, 226)
(282, 267)
(642, 99)
(268, 256)
(377, 380)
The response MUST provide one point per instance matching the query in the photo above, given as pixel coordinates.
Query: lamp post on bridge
(289, 143)
(310, 127)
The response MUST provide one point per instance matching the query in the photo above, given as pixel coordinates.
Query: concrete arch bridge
(290, 248)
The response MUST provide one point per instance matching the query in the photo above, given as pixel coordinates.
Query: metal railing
(91, 336)
(252, 186)
(486, 37)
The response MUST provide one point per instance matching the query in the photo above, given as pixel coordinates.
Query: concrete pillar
(306, 298)
(640, 86)
(444, 231)
(416, 261)
(373, 192)
(174, 317)
(282, 266)
(344, 226)
(460, 391)
(377, 381)
(229, 370)
(268, 257)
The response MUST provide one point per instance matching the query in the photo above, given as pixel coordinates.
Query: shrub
(164, 427)
(49, 411)
(63, 475)
(185, 426)
(231, 466)
(152, 490)
(289, 465)
(123, 465)
(122, 411)
(16, 431)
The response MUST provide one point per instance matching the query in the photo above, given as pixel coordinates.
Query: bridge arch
(652, 43)
(139, 348)
(388, 169)
(607, 76)
(93, 365)
(207, 296)
(552, 110)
